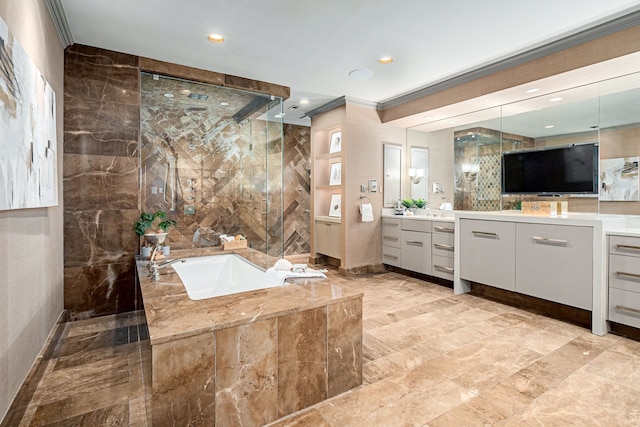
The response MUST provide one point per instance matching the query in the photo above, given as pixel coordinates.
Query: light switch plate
(373, 186)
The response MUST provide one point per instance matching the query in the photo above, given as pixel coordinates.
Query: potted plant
(153, 226)
(408, 203)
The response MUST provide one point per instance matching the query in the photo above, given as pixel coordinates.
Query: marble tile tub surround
(430, 359)
(253, 357)
(101, 173)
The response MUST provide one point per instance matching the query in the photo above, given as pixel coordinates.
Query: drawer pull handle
(389, 238)
(445, 229)
(633, 248)
(484, 234)
(414, 243)
(391, 257)
(629, 309)
(447, 269)
(442, 246)
(549, 241)
(389, 224)
(622, 273)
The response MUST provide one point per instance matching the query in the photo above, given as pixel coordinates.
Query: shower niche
(212, 158)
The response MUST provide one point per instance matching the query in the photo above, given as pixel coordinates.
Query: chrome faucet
(154, 267)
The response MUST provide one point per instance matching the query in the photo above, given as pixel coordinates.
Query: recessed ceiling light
(361, 73)
(224, 103)
(168, 95)
(532, 90)
(304, 102)
(385, 60)
(186, 91)
(555, 99)
(549, 126)
(216, 38)
(279, 115)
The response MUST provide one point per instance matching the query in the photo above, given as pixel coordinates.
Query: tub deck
(275, 350)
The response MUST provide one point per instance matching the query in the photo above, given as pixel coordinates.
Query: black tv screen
(571, 169)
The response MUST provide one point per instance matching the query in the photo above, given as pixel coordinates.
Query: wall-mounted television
(567, 169)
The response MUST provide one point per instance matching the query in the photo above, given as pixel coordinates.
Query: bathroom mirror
(392, 185)
(418, 173)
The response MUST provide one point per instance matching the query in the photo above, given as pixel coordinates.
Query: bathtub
(217, 275)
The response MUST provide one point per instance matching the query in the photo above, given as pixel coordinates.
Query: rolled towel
(366, 210)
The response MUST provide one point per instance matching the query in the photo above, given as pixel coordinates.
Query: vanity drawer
(442, 244)
(421, 225)
(392, 256)
(624, 272)
(624, 307)
(442, 267)
(443, 227)
(391, 232)
(623, 245)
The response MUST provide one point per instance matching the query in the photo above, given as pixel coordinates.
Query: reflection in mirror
(392, 168)
(557, 119)
(419, 173)
(606, 112)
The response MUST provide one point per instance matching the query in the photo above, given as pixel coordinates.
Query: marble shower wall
(100, 180)
(101, 176)
(224, 170)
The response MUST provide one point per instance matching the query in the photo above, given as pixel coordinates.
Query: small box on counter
(545, 208)
(235, 244)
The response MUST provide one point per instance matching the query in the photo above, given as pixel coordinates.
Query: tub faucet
(154, 267)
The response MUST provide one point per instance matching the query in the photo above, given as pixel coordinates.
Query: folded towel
(275, 277)
(366, 210)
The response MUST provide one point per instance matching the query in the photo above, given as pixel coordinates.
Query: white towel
(275, 277)
(366, 210)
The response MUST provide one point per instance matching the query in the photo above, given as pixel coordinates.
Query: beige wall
(31, 284)
(363, 136)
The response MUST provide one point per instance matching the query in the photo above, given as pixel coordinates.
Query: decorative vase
(145, 251)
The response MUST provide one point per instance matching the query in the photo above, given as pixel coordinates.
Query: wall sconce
(470, 171)
(416, 175)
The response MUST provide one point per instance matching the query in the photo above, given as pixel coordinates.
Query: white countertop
(428, 215)
(577, 218)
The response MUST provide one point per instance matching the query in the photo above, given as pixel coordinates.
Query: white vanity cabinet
(554, 262)
(416, 246)
(624, 280)
(442, 249)
(422, 245)
(328, 237)
(391, 241)
(488, 252)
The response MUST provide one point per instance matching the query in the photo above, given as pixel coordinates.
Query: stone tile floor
(431, 359)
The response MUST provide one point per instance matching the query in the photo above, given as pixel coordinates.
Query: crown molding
(60, 21)
(584, 36)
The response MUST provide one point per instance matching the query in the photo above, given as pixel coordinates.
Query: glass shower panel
(205, 152)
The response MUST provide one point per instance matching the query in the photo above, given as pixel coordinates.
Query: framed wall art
(334, 209)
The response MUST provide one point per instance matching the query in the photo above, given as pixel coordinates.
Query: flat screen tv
(569, 169)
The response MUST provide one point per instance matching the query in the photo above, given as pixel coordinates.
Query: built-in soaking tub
(218, 275)
(250, 357)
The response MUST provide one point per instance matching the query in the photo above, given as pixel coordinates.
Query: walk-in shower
(211, 157)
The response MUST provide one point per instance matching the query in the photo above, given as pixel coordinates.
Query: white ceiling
(312, 46)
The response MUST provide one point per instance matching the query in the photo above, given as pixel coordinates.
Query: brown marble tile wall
(221, 168)
(184, 382)
(302, 360)
(100, 173)
(246, 374)
(344, 343)
(297, 189)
